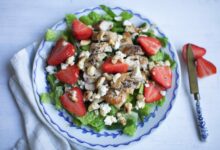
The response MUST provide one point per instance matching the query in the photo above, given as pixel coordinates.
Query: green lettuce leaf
(45, 97)
(69, 19)
(51, 79)
(130, 127)
(95, 17)
(163, 41)
(143, 112)
(126, 15)
(161, 101)
(52, 35)
(57, 93)
(107, 17)
(159, 56)
(172, 62)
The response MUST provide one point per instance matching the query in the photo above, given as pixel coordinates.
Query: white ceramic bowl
(85, 136)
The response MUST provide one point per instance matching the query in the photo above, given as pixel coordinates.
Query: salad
(107, 72)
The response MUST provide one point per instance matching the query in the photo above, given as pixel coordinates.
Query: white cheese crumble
(51, 69)
(89, 86)
(101, 56)
(109, 120)
(81, 84)
(85, 42)
(136, 74)
(127, 23)
(64, 66)
(116, 77)
(108, 49)
(105, 25)
(104, 109)
(118, 18)
(103, 90)
(93, 106)
(140, 104)
(147, 85)
(85, 54)
(119, 56)
(70, 60)
(73, 96)
(163, 93)
(64, 43)
(167, 63)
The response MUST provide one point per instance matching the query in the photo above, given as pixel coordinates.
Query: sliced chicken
(130, 49)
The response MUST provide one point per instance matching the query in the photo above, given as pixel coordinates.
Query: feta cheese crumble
(104, 109)
(51, 69)
(109, 120)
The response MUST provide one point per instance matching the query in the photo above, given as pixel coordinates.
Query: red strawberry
(152, 92)
(109, 67)
(60, 52)
(162, 75)
(197, 51)
(69, 75)
(81, 31)
(75, 106)
(205, 68)
(149, 44)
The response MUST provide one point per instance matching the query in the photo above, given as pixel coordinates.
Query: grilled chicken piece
(130, 49)
(103, 25)
(127, 39)
(97, 48)
(104, 36)
(125, 82)
(112, 98)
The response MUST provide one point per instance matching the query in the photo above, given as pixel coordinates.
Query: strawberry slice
(69, 75)
(75, 106)
(109, 67)
(162, 75)
(152, 92)
(197, 51)
(60, 52)
(149, 44)
(205, 68)
(81, 31)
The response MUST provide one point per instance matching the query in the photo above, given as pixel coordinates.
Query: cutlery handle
(201, 123)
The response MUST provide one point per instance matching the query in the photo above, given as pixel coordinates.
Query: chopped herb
(108, 11)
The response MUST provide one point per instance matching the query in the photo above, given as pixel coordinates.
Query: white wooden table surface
(198, 21)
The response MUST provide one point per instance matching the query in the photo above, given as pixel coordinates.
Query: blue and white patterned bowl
(85, 136)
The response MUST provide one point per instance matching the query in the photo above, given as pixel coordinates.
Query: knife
(194, 89)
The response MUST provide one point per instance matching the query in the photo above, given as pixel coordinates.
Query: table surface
(22, 22)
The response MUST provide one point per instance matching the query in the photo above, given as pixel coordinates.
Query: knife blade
(193, 82)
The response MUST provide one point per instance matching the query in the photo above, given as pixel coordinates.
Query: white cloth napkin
(39, 135)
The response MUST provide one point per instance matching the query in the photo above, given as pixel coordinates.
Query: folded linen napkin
(39, 135)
